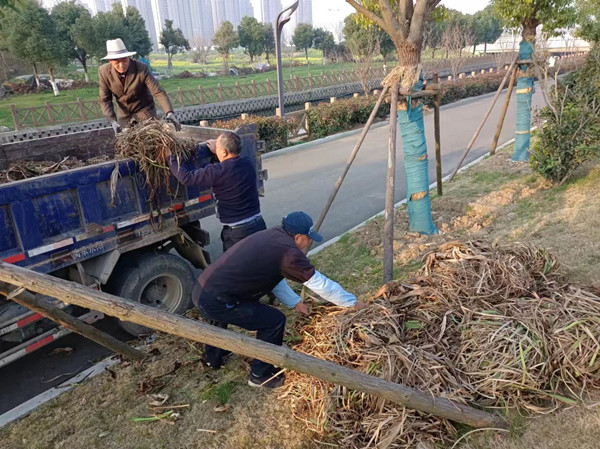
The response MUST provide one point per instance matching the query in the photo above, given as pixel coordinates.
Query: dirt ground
(497, 200)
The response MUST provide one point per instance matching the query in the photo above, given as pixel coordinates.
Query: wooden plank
(73, 293)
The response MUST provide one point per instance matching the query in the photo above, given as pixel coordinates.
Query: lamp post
(282, 18)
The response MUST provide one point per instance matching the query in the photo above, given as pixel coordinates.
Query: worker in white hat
(133, 87)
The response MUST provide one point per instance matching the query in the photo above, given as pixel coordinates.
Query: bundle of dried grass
(31, 169)
(494, 326)
(404, 76)
(147, 144)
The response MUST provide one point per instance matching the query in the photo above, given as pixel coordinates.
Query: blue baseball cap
(300, 223)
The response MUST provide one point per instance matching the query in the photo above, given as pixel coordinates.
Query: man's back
(255, 265)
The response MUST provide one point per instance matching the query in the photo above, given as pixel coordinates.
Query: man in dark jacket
(228, 291)
(234, 183)
(133, 87)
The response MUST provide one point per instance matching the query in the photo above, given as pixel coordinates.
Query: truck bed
(52, 221)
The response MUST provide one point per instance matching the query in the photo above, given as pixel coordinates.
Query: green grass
(181, 62)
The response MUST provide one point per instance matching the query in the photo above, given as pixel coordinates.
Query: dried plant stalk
(480, 324)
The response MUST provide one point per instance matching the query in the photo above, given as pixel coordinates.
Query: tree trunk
(169, 63)
(447, 52)
(85, 70)
(474, 48)
(485, 48)
(306, 54)
(53, 81)
(226, 63)
(36, 75)
(267, 56)
(524, 93)
(432, 52)
(412, 130)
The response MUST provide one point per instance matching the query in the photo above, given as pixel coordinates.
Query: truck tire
(155, 279)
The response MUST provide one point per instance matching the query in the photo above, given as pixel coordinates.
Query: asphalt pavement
(300, 179)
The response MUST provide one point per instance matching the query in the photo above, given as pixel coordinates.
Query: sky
(328, 12)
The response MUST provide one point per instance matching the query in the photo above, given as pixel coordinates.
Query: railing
(87, 110)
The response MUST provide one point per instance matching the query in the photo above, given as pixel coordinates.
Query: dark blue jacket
(233, 182)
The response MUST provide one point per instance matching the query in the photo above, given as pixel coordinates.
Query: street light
(283, 18)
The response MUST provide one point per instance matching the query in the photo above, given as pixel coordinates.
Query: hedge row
(330, 118)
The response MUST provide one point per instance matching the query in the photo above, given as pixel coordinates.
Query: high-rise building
(160, 14)
(304, 12)
(193, 17)
(230, 10)
(218, 13)
(269, 9)
(246, 9)
(145, 9)
(96, 6)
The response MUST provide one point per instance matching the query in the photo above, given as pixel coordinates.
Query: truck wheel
(154, 279)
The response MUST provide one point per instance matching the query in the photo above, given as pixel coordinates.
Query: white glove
(116, 127)
(171, 118)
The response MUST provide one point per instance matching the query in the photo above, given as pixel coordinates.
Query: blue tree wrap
(412, 130)
(524, 96)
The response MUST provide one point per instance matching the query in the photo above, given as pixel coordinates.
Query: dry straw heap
(147, 144)
(31, 169)
(480, 324)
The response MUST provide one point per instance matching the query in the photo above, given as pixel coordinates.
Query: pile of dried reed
(147, 143)
(31, 169)
(480, 324)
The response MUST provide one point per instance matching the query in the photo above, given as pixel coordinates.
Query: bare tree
(201, 47)
(454, 40)
(363, 51)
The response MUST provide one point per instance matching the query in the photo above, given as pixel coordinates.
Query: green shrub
(331, 118)
(273, 130)
(570, 131)
(568, 138)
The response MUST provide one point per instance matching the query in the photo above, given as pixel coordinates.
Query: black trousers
(230, 236)
(253, 316)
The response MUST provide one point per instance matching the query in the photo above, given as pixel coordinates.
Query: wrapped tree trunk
(524, 95)
(412, 131)
(53, 81)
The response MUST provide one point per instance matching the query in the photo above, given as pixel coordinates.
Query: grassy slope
(495, 200)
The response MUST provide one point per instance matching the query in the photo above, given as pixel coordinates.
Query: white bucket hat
(115, 49)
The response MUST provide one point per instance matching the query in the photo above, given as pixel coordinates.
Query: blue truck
(68, 224)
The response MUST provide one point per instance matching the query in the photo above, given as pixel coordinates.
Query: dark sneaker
(267, 381)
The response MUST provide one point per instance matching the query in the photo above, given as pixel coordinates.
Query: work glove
(171, 118)
(116, 127)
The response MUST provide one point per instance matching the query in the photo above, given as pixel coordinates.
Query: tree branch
(368, 14)
(387, 13)
(417, 23)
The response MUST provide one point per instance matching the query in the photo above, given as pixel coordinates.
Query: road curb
(400, 203)
(303, 146)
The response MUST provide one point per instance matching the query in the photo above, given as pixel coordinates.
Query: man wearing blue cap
(228, 291)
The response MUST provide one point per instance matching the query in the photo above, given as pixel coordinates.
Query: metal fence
(82, 111)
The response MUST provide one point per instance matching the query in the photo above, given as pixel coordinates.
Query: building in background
(145, 9)
(269, 9)
(96, 6)
(304, 13)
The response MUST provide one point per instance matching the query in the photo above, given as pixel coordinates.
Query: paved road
(302, 180)
(298, 180)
